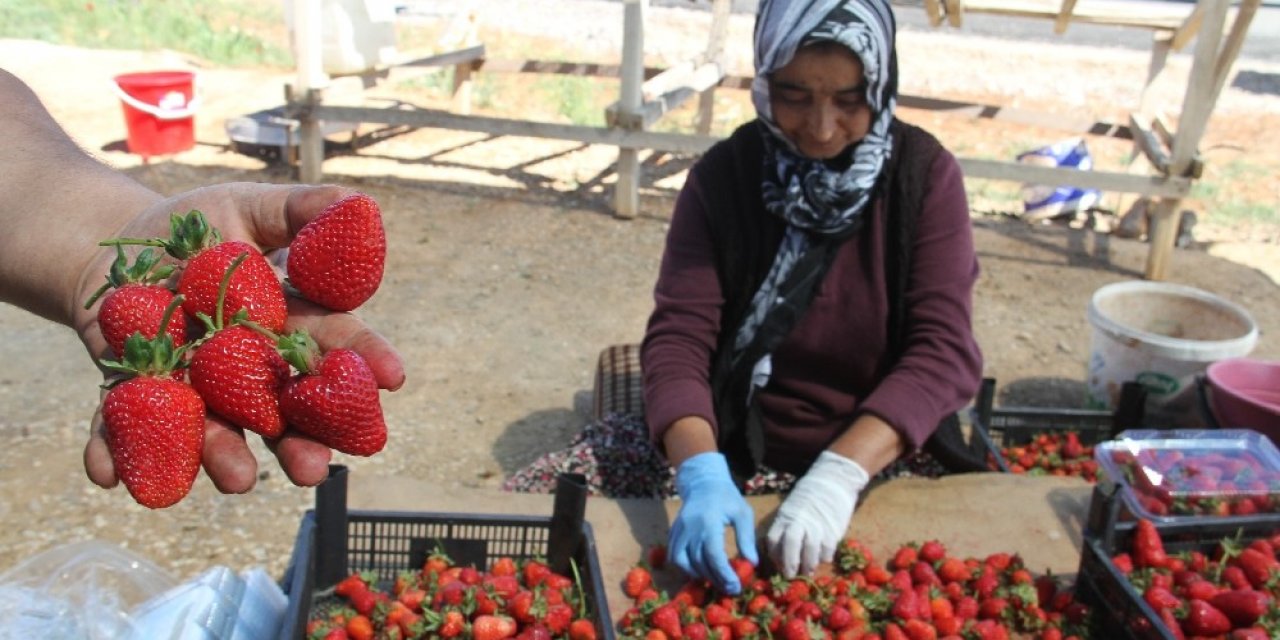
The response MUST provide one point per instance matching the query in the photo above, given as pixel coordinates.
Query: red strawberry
(240, 374)
(155, 431)
(636, 581)
(254, 286)
(134, 302)
(337, 259)
(492, 627)
(154, 423)
(582, 629)
(335, 401)
(238, 370)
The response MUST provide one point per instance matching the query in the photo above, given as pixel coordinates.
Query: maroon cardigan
(830, 367)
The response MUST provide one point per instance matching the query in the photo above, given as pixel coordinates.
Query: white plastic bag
(82, 590)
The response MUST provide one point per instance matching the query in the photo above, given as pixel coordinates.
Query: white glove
(815, 516)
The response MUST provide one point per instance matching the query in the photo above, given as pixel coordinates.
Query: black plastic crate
(1119, 610)
(994, 428)
(333, 542)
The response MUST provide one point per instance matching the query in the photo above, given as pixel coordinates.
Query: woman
(812, 312)
(782, 335)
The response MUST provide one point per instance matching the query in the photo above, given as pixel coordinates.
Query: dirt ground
(507, 275)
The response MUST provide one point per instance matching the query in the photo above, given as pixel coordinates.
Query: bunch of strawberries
(1229, 590)
(1057, 453)
(524, 599)
(921, 593)
(206, 335)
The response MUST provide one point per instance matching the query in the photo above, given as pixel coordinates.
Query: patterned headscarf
(815, 198)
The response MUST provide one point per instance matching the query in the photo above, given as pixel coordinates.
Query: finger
(744, 531)
(792, 539)
(278, 212)
(346, 331)
(97, 457)
(227, 459)
(304, 460)
(718, 566)
(809, 554)
(678, 547)
(827, 553)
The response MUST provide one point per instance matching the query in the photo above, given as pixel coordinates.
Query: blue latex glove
(709, 503)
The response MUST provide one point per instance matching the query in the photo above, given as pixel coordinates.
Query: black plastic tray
(333, 542)
(995, 428)
(1119, 610)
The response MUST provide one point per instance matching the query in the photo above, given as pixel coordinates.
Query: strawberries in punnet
(334, 399)
(337, 259)
(154, 423)
(135, 301)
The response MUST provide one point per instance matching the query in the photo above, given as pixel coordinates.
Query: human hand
(266, 216)
(814, 517)
(710, 502)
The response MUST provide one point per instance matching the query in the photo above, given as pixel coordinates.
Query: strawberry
(134, 301)
(636, 581)
(333, 399)
(1203, 619)
(238, 370)
(254, 286)
(154, 423)
(492, 627)
(582, 629)
(337, 259)
(657, 556)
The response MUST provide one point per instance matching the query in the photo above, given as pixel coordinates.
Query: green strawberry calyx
(150, 356)
(188, 235)
(145, 269)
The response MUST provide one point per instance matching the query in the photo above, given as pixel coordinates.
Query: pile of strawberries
(525, 600)
(1230, 590)
(1050, 454)
(204, 335)
(921, 593)
(1171, 482)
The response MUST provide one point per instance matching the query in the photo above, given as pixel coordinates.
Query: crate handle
(567, 515)
(331, 528)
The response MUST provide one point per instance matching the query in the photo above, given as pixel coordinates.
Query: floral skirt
(619, 460)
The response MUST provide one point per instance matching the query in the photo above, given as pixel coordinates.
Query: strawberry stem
(222, 287)
(297, 348)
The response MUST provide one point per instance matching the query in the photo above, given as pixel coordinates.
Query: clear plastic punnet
(1180, 475)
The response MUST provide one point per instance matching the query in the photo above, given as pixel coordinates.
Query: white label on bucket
(173, 101)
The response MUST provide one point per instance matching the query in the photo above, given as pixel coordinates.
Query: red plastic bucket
(159, 111)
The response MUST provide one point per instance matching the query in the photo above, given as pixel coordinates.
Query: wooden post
(714, 53)
(310, 81)
(1209, 68)
(626, 194)
(462, 83)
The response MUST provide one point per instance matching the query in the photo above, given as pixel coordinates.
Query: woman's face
(819, 100)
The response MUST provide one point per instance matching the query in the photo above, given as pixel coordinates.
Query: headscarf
(815, 198)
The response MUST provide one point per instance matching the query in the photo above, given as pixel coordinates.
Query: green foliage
(224, 32)
(1227, 204)
(574, 98)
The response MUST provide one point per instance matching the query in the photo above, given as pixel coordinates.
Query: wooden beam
(1063, 20)
(1147, 142)
(1187, 30)
(614, 137)
(1156, 186)
(955, 12)
(472, 53)
(665, 93)
(933, 8)
(1104, 14)
(626, 192)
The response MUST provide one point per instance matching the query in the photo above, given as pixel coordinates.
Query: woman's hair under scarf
(814, 197)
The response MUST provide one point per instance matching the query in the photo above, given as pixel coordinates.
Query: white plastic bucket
(1162, 335)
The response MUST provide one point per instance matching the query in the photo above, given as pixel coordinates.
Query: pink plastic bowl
(1245, 393)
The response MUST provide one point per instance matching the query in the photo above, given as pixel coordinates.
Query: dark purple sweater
(828, 370)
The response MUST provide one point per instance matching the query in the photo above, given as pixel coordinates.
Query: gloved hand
(710, 502)
(813, 519)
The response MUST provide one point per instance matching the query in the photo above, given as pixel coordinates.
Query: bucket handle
(163, 114)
